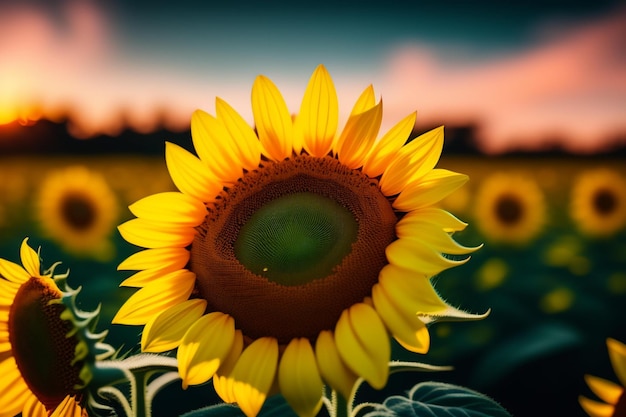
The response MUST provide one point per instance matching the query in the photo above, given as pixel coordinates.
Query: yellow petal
(245, 140)
(415, 256)
(165, 331)
(8, 290)
(34, 408)
(358, 136)
(68, 408)
(149, 234)
(145, 277)
(13, 272)
(333, 369)
(215, 147)
(299, 379)
(617, 355)
(410, 291)
(401, 321)
(437, 216)
(176, 258)
(412, 161)
(424, 232)
(606, 390)
(596, 409)
(319, 113)
(254, 375)
(204, 347)
(430, 189)
(15, 392)
(190, 175)
(363, 344)
(221, 382)
(30, 259)
(170, 207)
(366, 101)
(385, 150)
(272, 119)
(154, 298)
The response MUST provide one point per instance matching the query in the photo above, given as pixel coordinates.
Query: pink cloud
(572, 87)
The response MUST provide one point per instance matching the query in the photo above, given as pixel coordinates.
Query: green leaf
(435, 399)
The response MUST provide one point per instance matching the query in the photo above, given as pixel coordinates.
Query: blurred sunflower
(76, 207)
(509, 208)
(46, 353)
(598, 202)
(288, 256)
(612, 394)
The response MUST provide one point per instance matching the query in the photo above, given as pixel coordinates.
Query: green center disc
(296, 238)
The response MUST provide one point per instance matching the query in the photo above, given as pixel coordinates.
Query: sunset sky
(524, 73)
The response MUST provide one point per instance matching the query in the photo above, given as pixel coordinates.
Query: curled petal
(204, 347)
(401, 321)
(299, 378)
(432, 188)
(69, 407)
(413, 255)
(155, 298)
(30, 259)
(409, 291)
(363, 344)
(331, 366)
(34, 408)
(245, 140)
(254, 374)
(149, 234)
(319, 114)
(431, 235)
(170, 207)
(272, 119)
(433, 215)
(412, 161)
(190, 175)
(165, 331)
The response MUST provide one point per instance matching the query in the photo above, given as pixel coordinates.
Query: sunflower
(612, 394)
(44, 350)
(598, 202)
(291, 253)
(76, 207)
(509, 208)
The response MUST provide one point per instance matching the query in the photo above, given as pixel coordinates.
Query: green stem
(341, 406)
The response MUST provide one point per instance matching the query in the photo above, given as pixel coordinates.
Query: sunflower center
(291, 245)
(296, 238)
(42, 351)
(604, 202)
(77, 211)
(508, 209)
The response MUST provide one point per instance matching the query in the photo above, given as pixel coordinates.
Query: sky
(524, 73)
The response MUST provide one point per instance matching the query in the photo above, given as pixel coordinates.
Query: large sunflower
(76, 207)
(509, 208)
(290, 254)
(612, 394)
(598, 203)
(43, 354)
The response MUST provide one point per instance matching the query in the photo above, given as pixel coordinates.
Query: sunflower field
(551, 271)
